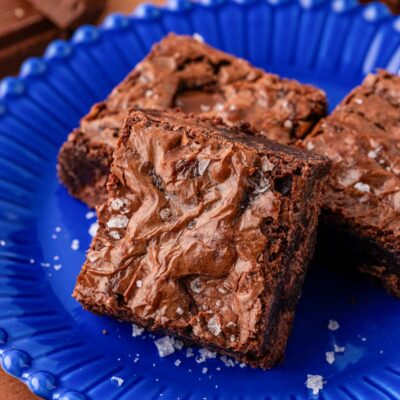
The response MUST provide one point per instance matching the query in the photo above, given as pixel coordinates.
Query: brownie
(183, 72)
(206, 234)
(361, 209)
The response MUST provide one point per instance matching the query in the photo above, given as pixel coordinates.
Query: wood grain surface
(10, 388)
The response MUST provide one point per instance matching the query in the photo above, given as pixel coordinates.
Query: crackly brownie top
(183, 72)
(194, 231)
(362, 137)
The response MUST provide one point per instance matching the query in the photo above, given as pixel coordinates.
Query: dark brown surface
(27, 26)
(67, 14)
(362, 197)
(394, 5)
(181, 71)
(206, 234)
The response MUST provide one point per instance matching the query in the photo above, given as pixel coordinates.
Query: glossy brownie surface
(183, 72)
(206, 234)
(362, 195)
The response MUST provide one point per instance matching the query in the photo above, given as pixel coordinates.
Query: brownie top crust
(362, 138)
(193, 236)
(181, 71)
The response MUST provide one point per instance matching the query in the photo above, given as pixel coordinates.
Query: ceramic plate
(62, 352)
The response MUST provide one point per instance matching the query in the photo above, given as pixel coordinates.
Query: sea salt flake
(45, 265)
(2, 243)
(362, 187)
(202, 166)
(266, 165)
(178, 362)
(136, 330)
(179, 311)
(90, 214)
(230, 324)
(330, 357)
(119, 381)
(75, 244)
(165, 214)
(54, 236)
(204, 370)
(198, 37)
(191, 225)
(205, 107)
(139, 283)
(58, 229)
(233, 107)
(288, 124)
(32, 261)
(119, 221)
(315, 383)
(358, 101)
(115, 235)
(196, 285)
(242, 365)
(57, 267)
(232, 338)
(117, 204)
(218, 107)
(178, 344)
(374, 153)
(339, 349)
(189, 352)
(227, 361)
(214, 325)
(56, 258)
(310, 146)
(165, 346)
(333, 325)
(149, 93)
(93, 229)
(218, 303)
(363, 339)
(204, 355)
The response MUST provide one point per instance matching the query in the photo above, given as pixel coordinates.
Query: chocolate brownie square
(183, 72)
(206, 234)
(361, 209)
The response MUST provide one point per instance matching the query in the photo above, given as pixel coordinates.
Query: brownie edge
(361, 208)
(206, 234)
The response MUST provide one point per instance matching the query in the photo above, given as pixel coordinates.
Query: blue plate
(62, 352)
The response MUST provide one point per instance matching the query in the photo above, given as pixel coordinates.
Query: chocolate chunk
(218, 257)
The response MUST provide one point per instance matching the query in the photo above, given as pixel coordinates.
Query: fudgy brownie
(205, 234)
(361, 210)
(183, 72)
